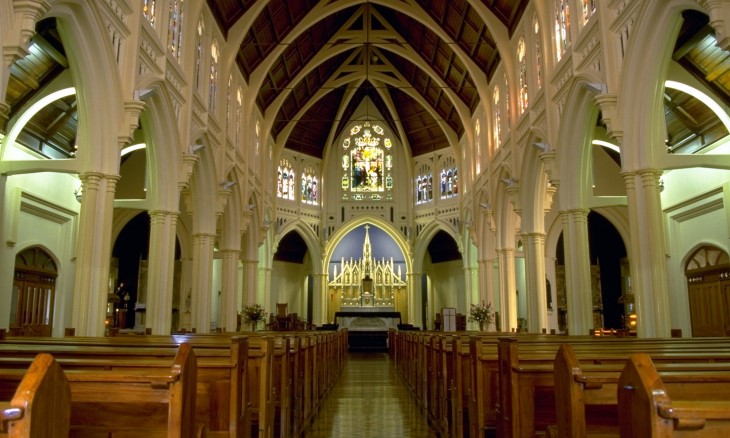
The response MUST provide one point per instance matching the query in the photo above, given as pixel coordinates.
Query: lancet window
(198, 53)
(367, 163)
(310, 186)
(148, 10)
(538, 52)
(562, 28)
(175, 28)
(497, 119)
(213, 86)
(449, 179)
(424, 185)
(589, 8)
(285, 180)
(523, 98)
(239, 115)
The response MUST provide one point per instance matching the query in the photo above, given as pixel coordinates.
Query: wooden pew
(41, 406)
(150, 402)
(222, 361)
(586, 400)
(647, 410)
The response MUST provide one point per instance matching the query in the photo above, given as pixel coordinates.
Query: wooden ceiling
(376, 42)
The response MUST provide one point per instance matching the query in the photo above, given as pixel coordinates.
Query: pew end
(41, 406)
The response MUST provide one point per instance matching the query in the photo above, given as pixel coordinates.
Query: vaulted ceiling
(314, 63)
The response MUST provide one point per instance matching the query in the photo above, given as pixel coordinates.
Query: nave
(369, 400)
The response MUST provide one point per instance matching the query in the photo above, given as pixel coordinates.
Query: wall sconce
(251, 207)
(195, 147)
(508, 181)
(77, 194)
(661, 185)
(227, 184)
(541, 146)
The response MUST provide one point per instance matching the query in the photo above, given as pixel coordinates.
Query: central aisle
(369, 400)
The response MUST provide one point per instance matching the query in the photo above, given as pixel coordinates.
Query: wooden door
(707, 309)
(34, 290)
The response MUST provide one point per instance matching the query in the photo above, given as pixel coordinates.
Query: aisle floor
(369, 400)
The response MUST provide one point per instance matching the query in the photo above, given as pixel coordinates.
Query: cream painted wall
(287, 285)
(448, 285)
(49, 220)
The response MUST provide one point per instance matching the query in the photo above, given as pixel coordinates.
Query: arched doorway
(708, 283)
(34, 290)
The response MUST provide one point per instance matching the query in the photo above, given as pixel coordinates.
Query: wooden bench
(647, 410)
(148, 402)
(586, 400)
(41, 406)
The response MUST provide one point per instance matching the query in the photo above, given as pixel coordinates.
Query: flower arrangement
(253, 314)
(482, 313)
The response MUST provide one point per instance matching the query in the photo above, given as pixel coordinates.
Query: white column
(161, 271)
(229, 288)
(250, 274)
(471, 281)
(579, 295)
(486, 280)
(537, 318)
(202, 280)
(320, 298)
(508, 289)
(415, 312)
(93, 253)
(649, 281)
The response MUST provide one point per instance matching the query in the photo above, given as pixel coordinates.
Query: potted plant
(253, 314)
(482, 313)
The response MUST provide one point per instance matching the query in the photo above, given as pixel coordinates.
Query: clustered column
(508, 304)
(579, 295)
(202, 280)
(229, 289)
(93, 253)
(648, 261)
(161, 271)
(537, 318)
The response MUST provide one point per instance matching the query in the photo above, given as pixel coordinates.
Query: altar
(361, 288)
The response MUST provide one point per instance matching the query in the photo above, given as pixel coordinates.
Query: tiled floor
(369, 400)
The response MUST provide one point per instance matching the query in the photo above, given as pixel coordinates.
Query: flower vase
(482, 326)
(253, 325)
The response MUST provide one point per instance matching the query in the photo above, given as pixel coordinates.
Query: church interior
(371, 165)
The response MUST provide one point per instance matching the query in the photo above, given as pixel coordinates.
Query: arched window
(478, 145)
(310, 186)
(538, 52)
(213, 86)
(198, 53)
(175, 28)
(424, 185)
(148, 10)
(449, 179)
(367, 164)
(285, 180)
(497, 119)
(589, 7)
(239, 116)
(523, 99)
(562, 28)
(507, 112)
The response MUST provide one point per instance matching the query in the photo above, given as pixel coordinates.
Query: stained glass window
(478, 145)
(424, 185)
(523, 99)
(507, 111)
(175, 28)
(198, 53)
(310, 186)
(449, 180)
(213, 76)
(562, 27)
(148, 10)
(497, 119)
(367, 163)
(538, 52)
(589, 7)
(239, 115)
(285, 180)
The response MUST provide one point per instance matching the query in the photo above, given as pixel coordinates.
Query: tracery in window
(198, 52)
(310, 186)
(523, 99)
(449, 180)
(367, 164)
(589, 7)
(562, 28)
(148, 10)
(538, 53)
(497, 119)
(285, 180)
(424, 185)
(175, 28)
(213, 86)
